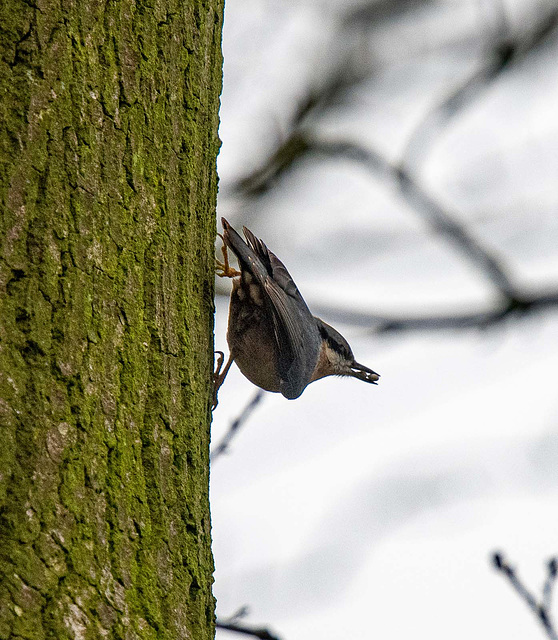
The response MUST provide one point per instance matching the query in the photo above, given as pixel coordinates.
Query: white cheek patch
(332, 356)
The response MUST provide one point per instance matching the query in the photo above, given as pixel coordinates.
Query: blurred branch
(540, 609)
(503, 51)
(256, 632)
(318, 99)
(375, 11)
(482, 320)
(379, 323)
(263, 179)
(451, 106)
(232, 624)
(549, 583)
(236, 424)
(440, 220)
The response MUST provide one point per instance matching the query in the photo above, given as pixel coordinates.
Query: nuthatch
(273, 338)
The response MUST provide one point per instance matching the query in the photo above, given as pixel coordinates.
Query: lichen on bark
(108, 142)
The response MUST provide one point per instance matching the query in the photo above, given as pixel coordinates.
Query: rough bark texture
(108, 140)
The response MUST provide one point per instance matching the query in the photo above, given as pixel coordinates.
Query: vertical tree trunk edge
(108, 145)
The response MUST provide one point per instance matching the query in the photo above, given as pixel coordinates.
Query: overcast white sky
(371, 512)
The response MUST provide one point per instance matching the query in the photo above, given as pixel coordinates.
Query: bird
(273, 337)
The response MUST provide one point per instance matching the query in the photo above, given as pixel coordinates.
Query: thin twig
(236, 424)
(540, 609)
(552, 567)
(256, 632)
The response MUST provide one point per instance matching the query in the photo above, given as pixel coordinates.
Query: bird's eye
(340, 348)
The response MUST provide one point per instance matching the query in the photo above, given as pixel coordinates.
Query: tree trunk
(108, 141)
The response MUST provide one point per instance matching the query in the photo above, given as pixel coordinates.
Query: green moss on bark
(108, 141)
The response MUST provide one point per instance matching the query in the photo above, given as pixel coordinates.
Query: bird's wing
(295, 333)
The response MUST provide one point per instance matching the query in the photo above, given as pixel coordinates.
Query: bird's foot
(224, 269)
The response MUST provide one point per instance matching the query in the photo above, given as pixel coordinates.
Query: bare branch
(378, 323)
(440, 219)
(317, 100)
(236, 424)
(540, 609)
(369, 14)
(256, 632)
(263, 179)
(552, 567)
(481, 320)
(503, 51)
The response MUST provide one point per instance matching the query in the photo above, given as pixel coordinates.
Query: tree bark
(108, 142)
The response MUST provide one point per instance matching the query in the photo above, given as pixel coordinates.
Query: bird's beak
(364, 373)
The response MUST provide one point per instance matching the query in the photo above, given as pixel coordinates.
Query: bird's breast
(251, 336)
